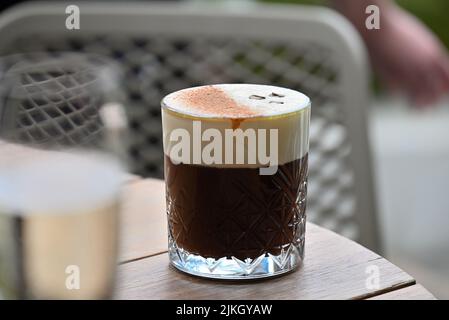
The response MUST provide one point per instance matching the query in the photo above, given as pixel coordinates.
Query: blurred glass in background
(61, 167)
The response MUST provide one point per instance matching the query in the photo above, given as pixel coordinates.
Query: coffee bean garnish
(277, 95)
(256, 97)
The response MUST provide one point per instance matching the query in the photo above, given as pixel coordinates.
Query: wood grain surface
(143, 222)
(334, 267)
(416, 292)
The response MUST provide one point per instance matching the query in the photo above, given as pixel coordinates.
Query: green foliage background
(434, 13)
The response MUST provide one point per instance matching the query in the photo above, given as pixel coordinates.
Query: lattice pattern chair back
(51, 100)
(166, 47)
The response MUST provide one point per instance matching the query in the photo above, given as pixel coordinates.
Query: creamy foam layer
(236, 101)
(229, 107)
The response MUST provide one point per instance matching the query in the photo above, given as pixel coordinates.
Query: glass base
(264, 266)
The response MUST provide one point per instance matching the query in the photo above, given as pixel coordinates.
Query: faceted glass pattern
(249, 226)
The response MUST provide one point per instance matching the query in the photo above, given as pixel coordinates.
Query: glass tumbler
(61, 170)
(236, 179)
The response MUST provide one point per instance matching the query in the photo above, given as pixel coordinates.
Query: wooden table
(334, 267)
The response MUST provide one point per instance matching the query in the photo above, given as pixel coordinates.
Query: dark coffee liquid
(224, 212)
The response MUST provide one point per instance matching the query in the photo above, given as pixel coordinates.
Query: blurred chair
(168, 46)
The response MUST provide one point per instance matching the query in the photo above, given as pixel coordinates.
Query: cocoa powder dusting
(212, 100)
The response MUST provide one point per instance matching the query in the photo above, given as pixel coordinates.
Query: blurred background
(411, 166)
(410, 147)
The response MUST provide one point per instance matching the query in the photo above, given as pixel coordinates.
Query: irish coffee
(236, 179)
